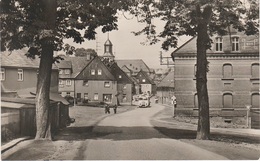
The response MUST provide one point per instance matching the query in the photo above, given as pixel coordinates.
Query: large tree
(41, 26)
(200, 18)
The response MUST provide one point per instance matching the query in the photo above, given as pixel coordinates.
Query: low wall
(10, 126)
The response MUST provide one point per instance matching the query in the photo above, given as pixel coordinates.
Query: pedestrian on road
(115, 108)
(107, 110)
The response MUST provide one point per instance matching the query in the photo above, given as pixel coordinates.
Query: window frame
(93, 72)
(95, 96)
(20, 74)
(67, 71)
(2, 78)
(68, 82)
(235, 44)
(107, 84)
(85, 83)
(219, 44)
(99, 72)
(252, 72)
(231, 72)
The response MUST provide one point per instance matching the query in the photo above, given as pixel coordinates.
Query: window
(107, 98)
(85, 96)
(61, 83)
(255, 100)
(106, 84)
(61, 71)
(85, 82)
(120, 76)
(124, 86)
(143, 80)
(227, 71)
(79, 97)
(195, 69)
(196, 103)
(96, 96)
(235, 44)
(99, 72)
(2, 74)
(68, 82)
(67, 71)
(255, 70)
(20, 74)
(227, 100)
(92, 71)
(219, 42)
(68, 93)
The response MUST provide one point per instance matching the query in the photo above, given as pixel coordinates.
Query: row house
(233, 77)
(86, 78)
(19, 73)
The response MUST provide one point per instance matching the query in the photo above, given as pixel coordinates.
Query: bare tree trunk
(203, 130)
(43, 112)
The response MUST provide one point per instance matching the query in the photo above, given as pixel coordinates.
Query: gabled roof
(116, 71)
(167, 81)
(134, 65)
(64, 64)
(95, 63)
(77, 64)
(17, 58)
(146, 76)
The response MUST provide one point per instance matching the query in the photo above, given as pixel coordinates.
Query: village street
(128, 134)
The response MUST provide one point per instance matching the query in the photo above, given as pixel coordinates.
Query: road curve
(130, 136)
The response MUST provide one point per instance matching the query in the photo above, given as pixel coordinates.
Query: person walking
(107, 110)
(115, 108)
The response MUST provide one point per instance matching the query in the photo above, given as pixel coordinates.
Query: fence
(20, 119)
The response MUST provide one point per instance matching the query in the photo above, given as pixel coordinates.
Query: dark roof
(17, 58)
(134, 65)
(146, 76)
(64, 64)
(108, 42)
(167, 81)
(77, 64)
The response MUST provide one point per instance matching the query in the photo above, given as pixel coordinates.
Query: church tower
(108, 52)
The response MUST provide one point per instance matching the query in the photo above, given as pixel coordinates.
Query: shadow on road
(141, 132)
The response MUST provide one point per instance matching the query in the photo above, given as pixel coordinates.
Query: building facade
(19, 73)
(233, 77)
(165, 89)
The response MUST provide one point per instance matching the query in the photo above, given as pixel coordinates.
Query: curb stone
(11, 144)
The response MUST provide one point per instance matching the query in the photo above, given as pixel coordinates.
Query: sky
(128, 46)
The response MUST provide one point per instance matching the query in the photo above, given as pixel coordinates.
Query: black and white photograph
(130, 80)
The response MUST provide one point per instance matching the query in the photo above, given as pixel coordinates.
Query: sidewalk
(231, 131)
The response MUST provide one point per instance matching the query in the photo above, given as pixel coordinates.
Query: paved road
(130, 136)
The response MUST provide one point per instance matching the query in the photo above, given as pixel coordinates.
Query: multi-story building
(233, 77)
(20, 73)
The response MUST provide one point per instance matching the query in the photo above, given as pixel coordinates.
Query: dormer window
(235, 44)
(143, 80)
(219, 42)
(120, 76)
